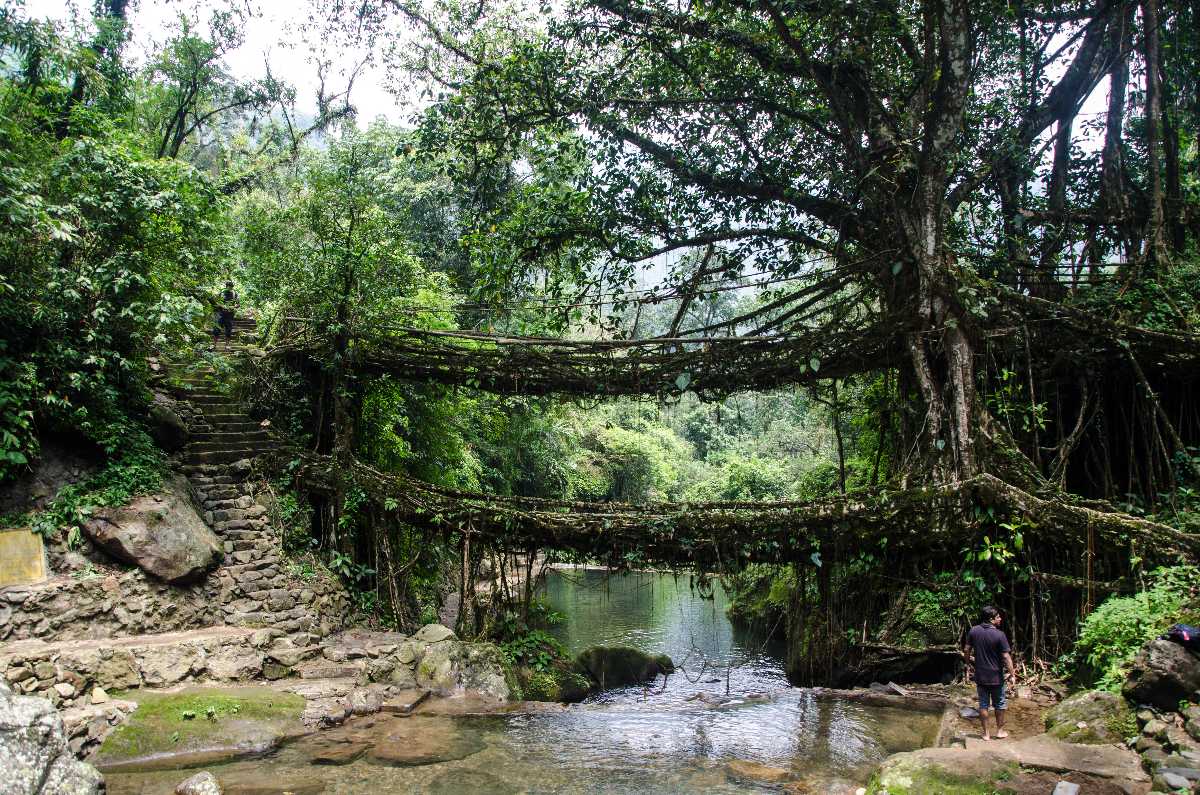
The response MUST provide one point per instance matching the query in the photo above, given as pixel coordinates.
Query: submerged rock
(34, 758)
(620, 666)
(758, 772)
(161, 533)
(408, 742)
(1163, 674)
(1091, 717)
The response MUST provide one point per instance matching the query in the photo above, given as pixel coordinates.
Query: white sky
(274, 31)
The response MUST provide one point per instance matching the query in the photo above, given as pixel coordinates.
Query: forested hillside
(888, 260)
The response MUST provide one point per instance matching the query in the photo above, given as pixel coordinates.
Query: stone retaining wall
(93, 597)
(79, 676)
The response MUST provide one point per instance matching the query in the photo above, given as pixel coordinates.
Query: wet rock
(408, 742)
(620, 666)
(456, 782)
(200, 784)
(201, 725)
(34, 757)
(757, 772)
(1091, 717)
(270, 782)
(162, 534)
(1163, 674)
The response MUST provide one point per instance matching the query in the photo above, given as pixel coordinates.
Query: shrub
(1110, 637)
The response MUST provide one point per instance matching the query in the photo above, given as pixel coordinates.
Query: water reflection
(680, 740)
(662, 613)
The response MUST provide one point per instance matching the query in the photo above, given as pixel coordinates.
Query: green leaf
(814, 363)
(682, 381)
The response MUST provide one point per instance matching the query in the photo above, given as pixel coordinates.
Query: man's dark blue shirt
(990, 645)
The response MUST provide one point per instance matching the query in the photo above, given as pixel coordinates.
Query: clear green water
(731, 702)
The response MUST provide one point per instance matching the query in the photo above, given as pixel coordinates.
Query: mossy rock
(620, 666)
(916, 774)
(1093, 717)
(200, 725)
(562, 683)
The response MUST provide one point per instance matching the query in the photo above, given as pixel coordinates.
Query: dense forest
(932, 268)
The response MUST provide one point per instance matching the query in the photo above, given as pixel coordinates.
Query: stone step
(214, 472)
(237, 441)
(221, 456)
(229, 526)
(212, 400)
(230, 503)
(214, 492)
(255, 431)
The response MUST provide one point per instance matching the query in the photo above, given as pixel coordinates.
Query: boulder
(621, 666)
(1091, 717)
(1163, 674)
(33, 750)
(452, 666)
(167, 428)
(200, 784)
(434, 633)
(161, 533)
(563, 683)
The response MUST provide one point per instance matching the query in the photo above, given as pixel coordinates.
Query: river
(726, 715)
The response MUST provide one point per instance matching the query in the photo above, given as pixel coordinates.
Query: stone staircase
(252, 588)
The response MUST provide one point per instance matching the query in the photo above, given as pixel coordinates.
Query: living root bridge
(932, 521)
(710, 367)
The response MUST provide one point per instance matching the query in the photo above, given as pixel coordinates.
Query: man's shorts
(991, 693)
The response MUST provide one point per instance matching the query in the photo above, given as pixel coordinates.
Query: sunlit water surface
(730, 701)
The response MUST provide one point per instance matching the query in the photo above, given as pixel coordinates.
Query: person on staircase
(224, 316)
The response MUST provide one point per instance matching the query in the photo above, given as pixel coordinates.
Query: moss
(934, 780)
(619, 666)
(562, 683)
(910, 773)
(1105, 718)
(202, 718)
(515, 691)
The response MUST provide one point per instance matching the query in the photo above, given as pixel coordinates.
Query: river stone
(1170, 781)
(200, 784)
(456, 782)
(434, 633)
(408, 742)
(1091, 717)
(1163, 674)
(452, 666)
(160, 533)
(755, 771)
(34, 757)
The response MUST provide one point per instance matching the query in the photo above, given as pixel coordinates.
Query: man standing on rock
(989, 647)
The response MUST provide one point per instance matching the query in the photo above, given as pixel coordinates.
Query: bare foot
(986, 738)
(1000, 735)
